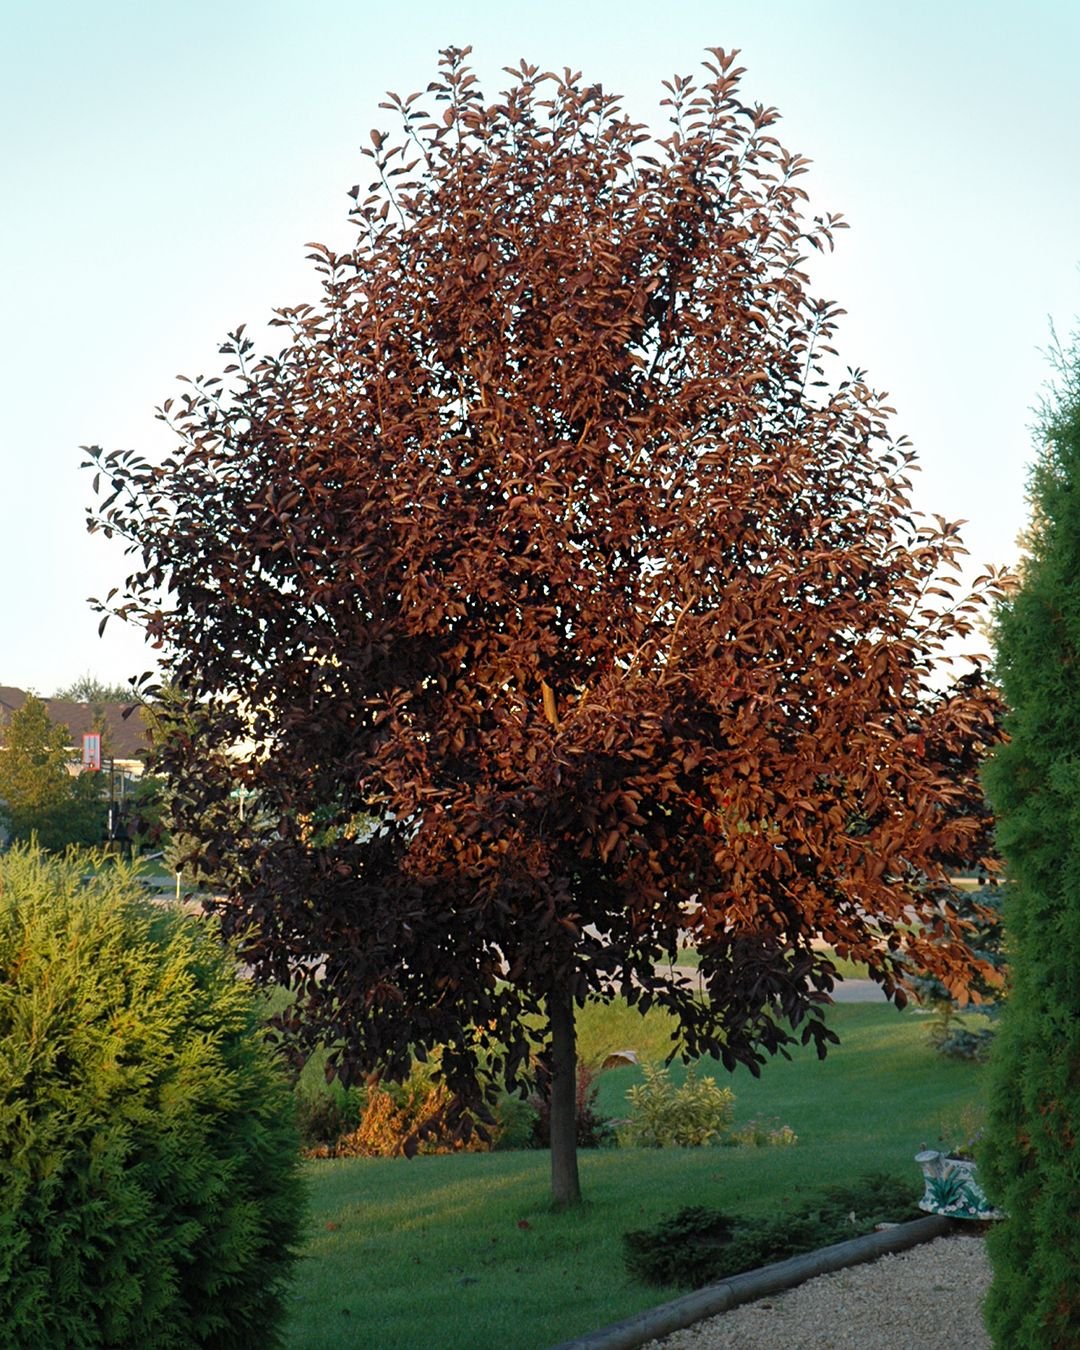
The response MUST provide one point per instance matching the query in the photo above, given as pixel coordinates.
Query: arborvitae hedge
(1031, 1160)
(149, 1184)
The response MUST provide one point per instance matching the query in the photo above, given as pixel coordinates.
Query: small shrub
(875, 1197)
(324, 1114)
(694, 1239)
(763, 1134)
(149, 1174)
(663, 1115)
(593, 1129)
(395, 1116)
(698, 1246)
(387, 1122)
(386, 1119)
(389, 1118)
(950, 1036)
(515, 1123)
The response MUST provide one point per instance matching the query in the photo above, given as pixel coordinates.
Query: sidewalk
(857, 991)
(844, 991)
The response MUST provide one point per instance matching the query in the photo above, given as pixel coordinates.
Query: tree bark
(565, 1186)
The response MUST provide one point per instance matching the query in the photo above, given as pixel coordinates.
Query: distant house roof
(126, 738)
(10, 699)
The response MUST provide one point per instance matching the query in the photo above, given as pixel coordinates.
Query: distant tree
(164, 816)
(146, 813)
(89, 689)
(567, 610)
(38, 796)
(1031, 1157)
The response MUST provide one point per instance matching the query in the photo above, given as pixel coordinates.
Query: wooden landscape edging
(754, 1284)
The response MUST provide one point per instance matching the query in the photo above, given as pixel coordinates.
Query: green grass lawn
(464, 1252)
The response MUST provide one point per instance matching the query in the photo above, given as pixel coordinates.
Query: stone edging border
(754, 1284)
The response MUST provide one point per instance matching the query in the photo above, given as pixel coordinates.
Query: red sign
(91, 751)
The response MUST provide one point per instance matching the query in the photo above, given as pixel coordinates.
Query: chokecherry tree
(559, 606)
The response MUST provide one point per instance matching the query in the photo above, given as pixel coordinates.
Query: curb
(754, 1284)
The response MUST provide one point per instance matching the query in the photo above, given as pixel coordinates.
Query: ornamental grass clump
(149, 1172)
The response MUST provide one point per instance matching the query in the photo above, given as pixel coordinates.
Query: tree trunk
(565, 1187)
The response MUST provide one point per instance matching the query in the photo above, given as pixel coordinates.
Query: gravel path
(927, 1297)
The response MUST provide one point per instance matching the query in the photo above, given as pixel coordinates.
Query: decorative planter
(952, 1188)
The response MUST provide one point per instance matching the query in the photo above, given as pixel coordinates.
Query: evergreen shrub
(150, 1193)
(698, 1246)
(1030, 1159)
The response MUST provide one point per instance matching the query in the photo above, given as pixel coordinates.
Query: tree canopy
(88, 688)
(567, 602)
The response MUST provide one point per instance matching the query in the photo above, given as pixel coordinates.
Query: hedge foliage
(149, 1170)
(1030, 1160)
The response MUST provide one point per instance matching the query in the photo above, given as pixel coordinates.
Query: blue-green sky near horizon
(162, 166)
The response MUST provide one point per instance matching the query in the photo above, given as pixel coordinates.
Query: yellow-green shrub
(149, 1182)
(663, 1115)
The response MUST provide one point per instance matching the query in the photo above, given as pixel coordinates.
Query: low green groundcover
(698, 1246)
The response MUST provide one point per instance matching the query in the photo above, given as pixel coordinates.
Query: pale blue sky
(162, 166)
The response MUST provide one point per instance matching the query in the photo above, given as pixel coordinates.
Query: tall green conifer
(1031, 1157)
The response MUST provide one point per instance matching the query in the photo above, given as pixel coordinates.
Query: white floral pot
(952, 1188)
